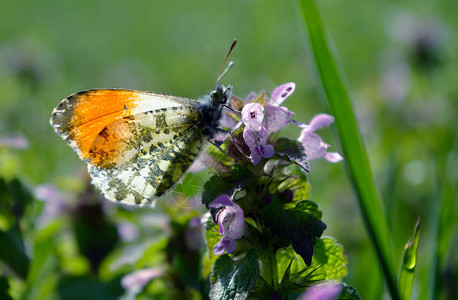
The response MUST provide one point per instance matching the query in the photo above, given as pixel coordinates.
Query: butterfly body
(138, 145)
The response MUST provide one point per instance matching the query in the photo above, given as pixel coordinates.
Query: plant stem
(269, 268)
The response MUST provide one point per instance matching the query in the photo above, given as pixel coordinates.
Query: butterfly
(138, 145)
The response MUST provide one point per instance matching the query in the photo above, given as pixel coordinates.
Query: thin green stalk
(269, 269)
(445, 220)
(334, 90)
(409, 262)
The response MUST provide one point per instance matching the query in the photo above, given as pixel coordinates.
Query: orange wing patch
(98, 124)
(81, 117)
(96, 110)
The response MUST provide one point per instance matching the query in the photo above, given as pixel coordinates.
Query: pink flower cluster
(260, 122)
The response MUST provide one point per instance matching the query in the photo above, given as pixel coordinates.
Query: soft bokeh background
(401, 63)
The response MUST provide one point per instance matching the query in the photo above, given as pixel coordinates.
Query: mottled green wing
(149, 153)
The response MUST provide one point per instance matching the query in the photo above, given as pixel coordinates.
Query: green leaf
(218, 185)
(310, 208)
(4, 287)
(20, 195)
(329, 259)
(288, 261)
(328, 263)
(12, 252)
(234, 279)
(298, 227)
(334, 90)
(409, 263)
(348, 293)
(299, 186)
(262, 290)
(295, 282)
(15, 197)
(42, 276)
(292, 151)
(86, 287)
(212, 237)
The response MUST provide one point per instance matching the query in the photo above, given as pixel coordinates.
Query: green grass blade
(443, 217)
(409, 262)
(335, 91)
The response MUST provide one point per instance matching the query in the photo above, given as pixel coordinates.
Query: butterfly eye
(216, 96)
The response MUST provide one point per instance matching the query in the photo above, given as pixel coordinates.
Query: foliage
(401, 69)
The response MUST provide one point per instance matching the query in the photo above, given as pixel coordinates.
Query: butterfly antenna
(218, 77)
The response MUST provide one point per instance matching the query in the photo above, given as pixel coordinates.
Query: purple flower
(257, 145)
(281, 93)
(252, 116)
(231, 223)
(313, 144)
(54, 202)
(14, 142)
(278, 116)
(255, 134)
(322, 291)
(138, 279)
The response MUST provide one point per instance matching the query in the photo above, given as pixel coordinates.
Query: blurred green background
(401, 63)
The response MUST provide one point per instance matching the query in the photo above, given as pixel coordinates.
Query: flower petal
(333, 157)
(282, 92)
(262, 136)
(313, 144)
(276, 117)
(219, 247)
(255, 156)
(252, 116)
(237, 228)
(327, 291)
(231, 244)
(320, 121)
(249, 139)
(140, 278)
(267, 150)
(221, 201)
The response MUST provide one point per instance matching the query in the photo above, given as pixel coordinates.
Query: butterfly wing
(137, 147)
(80, 118)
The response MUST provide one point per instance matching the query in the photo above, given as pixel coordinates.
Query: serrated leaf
(214, 187)
(234, 279)
(300, 187)
(295, 227)
(348, 293)
(219, 185)
(330, 260)
(292, 151)
(309, 207)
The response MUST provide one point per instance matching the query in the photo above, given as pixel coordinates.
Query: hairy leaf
(329, 259)
(292, 151)
(298, 227)
(234, 279)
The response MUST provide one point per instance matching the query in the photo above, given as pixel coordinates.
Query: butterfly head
(220, 95)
